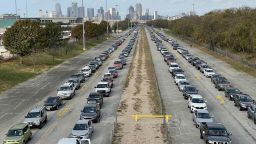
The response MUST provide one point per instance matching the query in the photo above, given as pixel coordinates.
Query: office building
(90, 13)
(100, 13)
(138, 9)
(74, 10)
(81, 12)
(113, 13)
(155, 16)
(58, 10)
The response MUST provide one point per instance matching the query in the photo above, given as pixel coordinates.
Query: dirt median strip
(140, 96)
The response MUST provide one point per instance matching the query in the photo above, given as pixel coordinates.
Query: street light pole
(107, 15)
(83, 26)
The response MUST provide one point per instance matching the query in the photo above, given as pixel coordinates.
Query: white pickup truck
(74, 141)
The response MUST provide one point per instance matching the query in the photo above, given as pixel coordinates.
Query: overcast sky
(164, 7)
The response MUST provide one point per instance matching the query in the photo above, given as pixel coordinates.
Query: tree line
(26, 37)
(230, 29)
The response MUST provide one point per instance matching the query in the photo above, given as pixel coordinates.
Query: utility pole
(83, 27)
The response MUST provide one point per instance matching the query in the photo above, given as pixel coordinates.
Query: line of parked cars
(37, 117)
(210, 131)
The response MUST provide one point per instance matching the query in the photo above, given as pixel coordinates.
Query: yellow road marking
(197, 77)
(63, 111)
(139, 116)
(220, 99)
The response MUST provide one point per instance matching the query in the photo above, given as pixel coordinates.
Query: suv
(53, 103)
(251, 112)
(103, 88)
(231, 91)
(91, 112)
(86, 70)
(97, 97)
(18, 134)
(201, 116)
(215, 133)
(221, 84)
(196, 102)
(82, 129)
(66, 91)
(118, 65)
(189, 90)
(242, 101)
(36, 117)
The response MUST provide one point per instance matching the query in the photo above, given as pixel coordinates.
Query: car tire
(248, 115)
(254, 120)
(201, 137)
(40, 125)
(197, 126)
(240, 108)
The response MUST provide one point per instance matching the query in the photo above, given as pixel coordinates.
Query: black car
(53, 103)
(91, 112)
(243, 101)
(214, 133)
(189, 90)
(79, 76)
(97, 97)
(221, 84)
(230, 92)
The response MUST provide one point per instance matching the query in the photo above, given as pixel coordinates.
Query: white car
(208, 72)
(103, 88)
(196, 102)
(86, 71)
(163, 51)
(182, 84)
(82, 129)
(173, 66)
(108, 74)
(66, 91)
(202, 116)
(74, 141)
(179, 77)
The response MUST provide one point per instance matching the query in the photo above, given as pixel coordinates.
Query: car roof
(202, 111)
(196, 96)
(180, 75)
(215, 125)
(82, 121)
(18, 126)
(208, 69)
(67, 84)
(68, 141)
(37, 109)
(103, 82)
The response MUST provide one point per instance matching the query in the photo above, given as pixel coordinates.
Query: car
(91, 112)
(111, 68)
(93, 68)
(243, 101)
(114, 73)
(86, 70)
(80, 76)
(74, 141)
(118, 65)
(97, 97)
(37, 117)
(189, 90)
(75, 81)
(221, 83)
(103, 88)
(53, 103)
(178, 78)
(83, 129)
(108, 75)
(173, 66)
(208, 72)
(18, 134)
(182, 84)
(231, 91)
(202, 116)
(123, 61)
(103, 57)
(251, 112)
(215, 133)
(196, 102)
(66, 91)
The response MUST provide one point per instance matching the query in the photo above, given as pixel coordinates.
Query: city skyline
(168, 7)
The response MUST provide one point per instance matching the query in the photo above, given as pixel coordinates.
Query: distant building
(52, 14)
(113, 13)
(69, 9)
(131, 13)
(100, 13)
(9, 16)
(155, 16)
(81, 12)
(90, 13)
(74, 10)
(138, 9)
(58, 10)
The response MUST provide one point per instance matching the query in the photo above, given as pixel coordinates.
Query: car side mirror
(230, 134)
(95, 87)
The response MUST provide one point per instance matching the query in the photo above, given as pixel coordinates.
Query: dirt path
(138, 98)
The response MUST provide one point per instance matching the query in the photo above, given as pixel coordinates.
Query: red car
(114, 73)
(118, 65)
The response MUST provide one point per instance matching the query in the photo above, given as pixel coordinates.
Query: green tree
(22, 38)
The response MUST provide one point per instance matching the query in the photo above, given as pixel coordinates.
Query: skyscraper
(69, 9)
(74, 10)
(113, 13)
(155, 16)
(138, 9)
(90, 13)
(58, 10)
(131, 12)
(100, 13)
(81, 12)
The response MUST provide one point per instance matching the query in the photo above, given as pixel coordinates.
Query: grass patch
(235, 64)
(155, 93)
(13, 73)
(117, 134)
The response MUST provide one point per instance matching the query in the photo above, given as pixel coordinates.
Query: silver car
(37, 117)
(83, 129)
(201, 116)
(182, 84)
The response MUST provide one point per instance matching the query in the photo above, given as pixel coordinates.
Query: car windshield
(33, 115)
(180, 77)
(12, 133)
(64, 88)
(217, 132)
(84, 142)
(94, 96)
(245, 99)
(86, 69)
(203, 115)
(80, 127)
(72, 81)
(89, 110)
(234, 90)
(117, 62)
(102, 85)
(112, 71)
(184, 83)
(174, 66)
(197, 100)
(209, 70)
(191, 89)
(51, 100)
